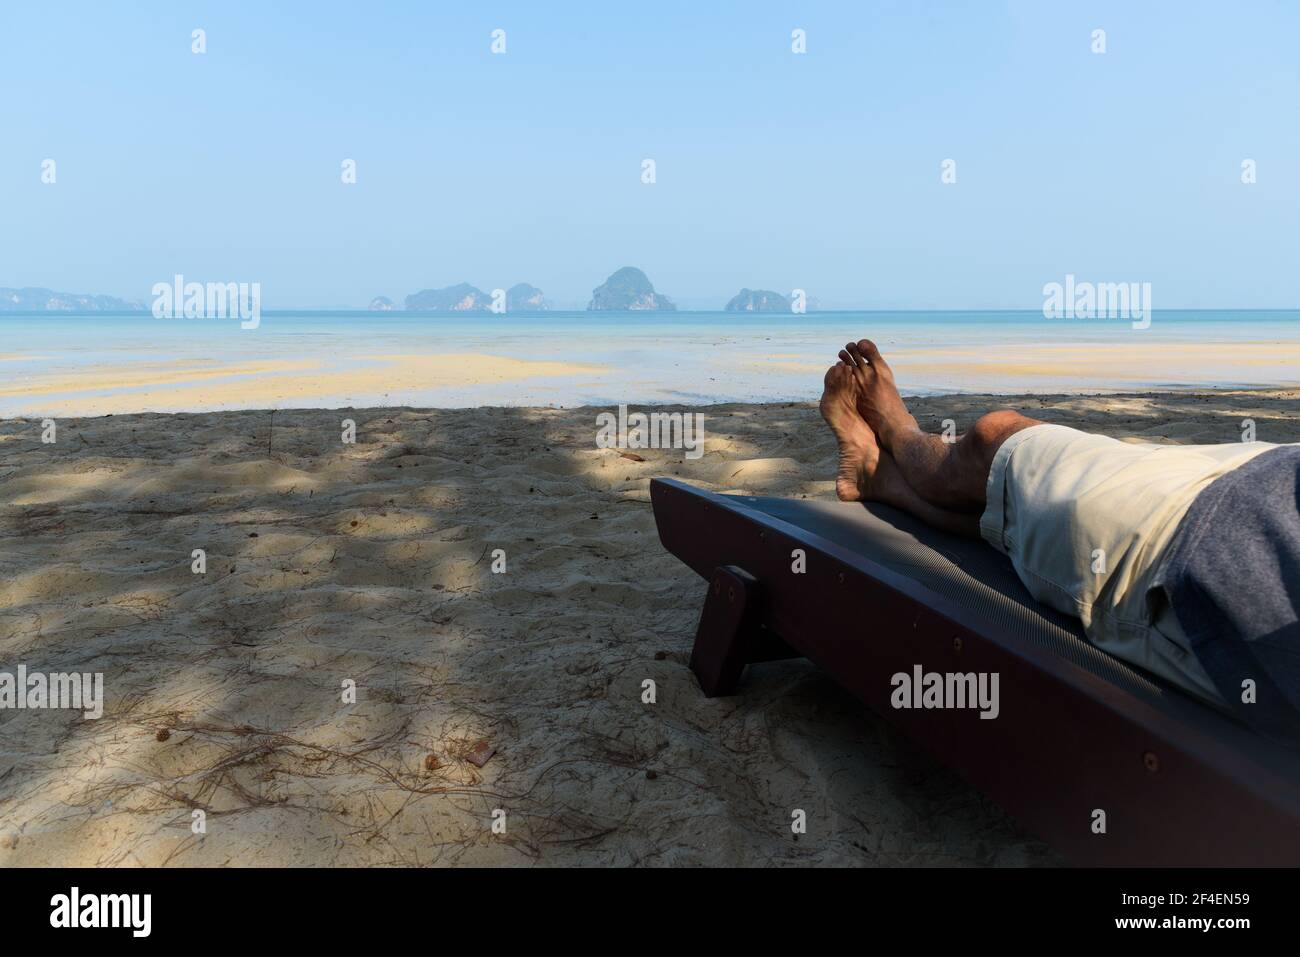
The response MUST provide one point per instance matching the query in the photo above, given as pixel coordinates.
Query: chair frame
(1066, 744)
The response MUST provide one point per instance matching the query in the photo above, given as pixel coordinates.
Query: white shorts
(1087, 521)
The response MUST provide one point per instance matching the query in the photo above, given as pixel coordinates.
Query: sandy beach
(155, 386)
(83, 365)
(329, 563)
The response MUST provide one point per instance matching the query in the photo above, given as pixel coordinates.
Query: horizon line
(584, 311)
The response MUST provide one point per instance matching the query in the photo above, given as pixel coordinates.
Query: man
(1183, 560)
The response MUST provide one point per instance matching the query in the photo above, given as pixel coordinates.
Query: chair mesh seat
(966, 572)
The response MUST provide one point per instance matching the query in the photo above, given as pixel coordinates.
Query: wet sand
(710, 371)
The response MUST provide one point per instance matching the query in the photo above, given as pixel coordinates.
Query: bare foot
(878, 401)
(859, 452)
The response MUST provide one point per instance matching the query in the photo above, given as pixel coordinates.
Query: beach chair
(1100, 760)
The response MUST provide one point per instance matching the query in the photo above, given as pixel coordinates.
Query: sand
(1074, 367)
(704, 371)
(372, 563)
(152, 386)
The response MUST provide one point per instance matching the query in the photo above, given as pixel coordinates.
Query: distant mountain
(524, 297)
(459, 298)
(32, 299)
(381, 304)
(628, 288)
(758, 300)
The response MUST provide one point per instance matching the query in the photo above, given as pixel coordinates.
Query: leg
(889, 486)
(949, 475)
(866, 472)
(728, 638)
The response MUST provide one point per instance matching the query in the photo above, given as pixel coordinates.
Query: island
(35, 299)
(758, 300)
(628, 289)
(525, 297)
(459, 298)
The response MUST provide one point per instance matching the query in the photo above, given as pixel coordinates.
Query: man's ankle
(899, 432)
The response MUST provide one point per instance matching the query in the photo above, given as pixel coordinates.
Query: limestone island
(36, 299)
(758, 300)
(466, 298)
(525, 298)
(628, 289)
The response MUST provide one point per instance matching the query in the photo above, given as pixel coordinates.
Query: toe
(861, 369)
(868, 349)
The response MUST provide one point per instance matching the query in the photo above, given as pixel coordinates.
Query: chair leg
(728, 636)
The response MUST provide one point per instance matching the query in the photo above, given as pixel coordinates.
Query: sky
(819, 171)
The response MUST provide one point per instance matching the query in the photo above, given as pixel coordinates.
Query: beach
(397, 642)
(57, 364)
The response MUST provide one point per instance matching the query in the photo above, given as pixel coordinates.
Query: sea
(680, 357)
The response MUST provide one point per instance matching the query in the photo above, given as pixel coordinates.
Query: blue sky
(774, 170)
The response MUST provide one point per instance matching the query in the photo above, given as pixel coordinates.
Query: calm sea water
(655, 357)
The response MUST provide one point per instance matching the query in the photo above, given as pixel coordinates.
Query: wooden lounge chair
(1078, 731)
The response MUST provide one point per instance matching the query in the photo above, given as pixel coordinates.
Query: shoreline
(304, 362)
(530, 381)
(964, 400)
